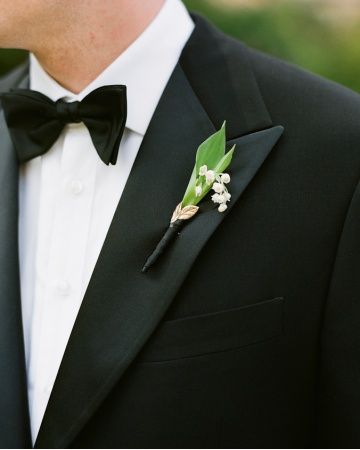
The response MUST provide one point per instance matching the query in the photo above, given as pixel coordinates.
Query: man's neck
(93, 41)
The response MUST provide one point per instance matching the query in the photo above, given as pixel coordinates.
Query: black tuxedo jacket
(247, 332)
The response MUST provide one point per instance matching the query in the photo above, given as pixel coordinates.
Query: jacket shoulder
(317, 100)
(294, 97)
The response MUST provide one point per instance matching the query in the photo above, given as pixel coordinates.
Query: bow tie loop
(68, 112)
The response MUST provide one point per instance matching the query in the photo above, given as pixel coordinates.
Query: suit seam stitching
(324, 306)
(195, 93)
(338, 244)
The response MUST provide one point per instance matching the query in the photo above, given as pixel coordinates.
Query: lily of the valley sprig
(221, 194)
(208, 175)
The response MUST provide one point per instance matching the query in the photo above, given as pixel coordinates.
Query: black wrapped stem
(165, 241)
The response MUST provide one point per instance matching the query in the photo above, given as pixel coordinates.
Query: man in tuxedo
(245, 333)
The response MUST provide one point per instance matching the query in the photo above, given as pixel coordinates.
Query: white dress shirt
(68, 198)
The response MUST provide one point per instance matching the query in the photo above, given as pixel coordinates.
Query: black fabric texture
(245, 333)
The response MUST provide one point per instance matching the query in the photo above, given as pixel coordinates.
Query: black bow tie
(35, 122)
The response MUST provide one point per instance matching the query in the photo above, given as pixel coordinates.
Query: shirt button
(63, 288)
(76, 187)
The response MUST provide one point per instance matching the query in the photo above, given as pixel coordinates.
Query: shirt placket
(62, 273)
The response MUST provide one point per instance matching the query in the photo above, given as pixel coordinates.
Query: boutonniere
(208, 175)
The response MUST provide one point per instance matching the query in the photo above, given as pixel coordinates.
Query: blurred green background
(320, 35)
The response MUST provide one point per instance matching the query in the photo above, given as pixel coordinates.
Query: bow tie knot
(68, 112)
(35, 121)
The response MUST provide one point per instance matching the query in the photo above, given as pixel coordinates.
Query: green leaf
(190, 189)
(211, 151)
(193, 199)
(220, 168)
(225, 161)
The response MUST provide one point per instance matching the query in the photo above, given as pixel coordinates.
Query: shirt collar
(144, 67)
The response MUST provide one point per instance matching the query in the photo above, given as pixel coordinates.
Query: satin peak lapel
(250, 153)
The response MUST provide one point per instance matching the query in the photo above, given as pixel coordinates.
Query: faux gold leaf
(184, 213)
(188, 212)
(176, 213)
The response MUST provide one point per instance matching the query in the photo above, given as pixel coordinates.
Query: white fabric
(68, 198)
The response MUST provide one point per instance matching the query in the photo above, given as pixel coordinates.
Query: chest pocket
(215, 332)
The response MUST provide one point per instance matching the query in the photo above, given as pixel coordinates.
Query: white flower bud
(222, 207)
(221, 198)
(218, 187)
(198, 191)
(225, 178)
(203, 170)
(215, 198)
(227, 196)
(210, 176)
